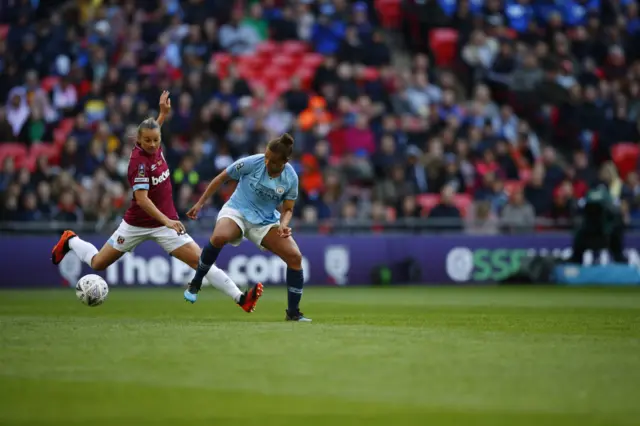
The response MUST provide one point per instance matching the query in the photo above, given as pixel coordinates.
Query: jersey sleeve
(292, 193)
(138, 175)
(244, 166)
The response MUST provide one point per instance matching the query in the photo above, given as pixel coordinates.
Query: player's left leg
(189, 253)
(287, 250)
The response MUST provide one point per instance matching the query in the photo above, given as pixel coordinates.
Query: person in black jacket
(445, 215)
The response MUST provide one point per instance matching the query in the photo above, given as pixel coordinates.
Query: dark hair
(149, 123)
(282, 146)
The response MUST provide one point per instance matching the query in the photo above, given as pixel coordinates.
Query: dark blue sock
(295, 281)
(207, 259)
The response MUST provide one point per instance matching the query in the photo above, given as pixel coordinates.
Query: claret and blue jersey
(258, 195)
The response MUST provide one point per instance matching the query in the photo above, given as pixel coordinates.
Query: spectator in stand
(518, 215)
(238, 38)
(17, 111)
(563, 208)
(6, 131)
(537, 193)
(631, 195)
(539, 93)
(45, 203)
(327, 32)
(480, 53)
(256, 20)
(7, 173)
(445, 215)
(481, 220)
(409, 208)
(67, 210)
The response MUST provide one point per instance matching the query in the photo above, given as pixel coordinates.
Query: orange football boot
(249, 300)
(62, 248)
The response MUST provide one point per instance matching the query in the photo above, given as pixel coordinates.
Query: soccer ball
(92, 290)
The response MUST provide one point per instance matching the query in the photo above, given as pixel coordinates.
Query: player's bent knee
(219, 241)
(294, 260)
(98, 264)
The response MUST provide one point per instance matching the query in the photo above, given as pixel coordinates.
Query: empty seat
(511, 186)
(444, 45)
(427, 202)
(625, 156)
(293, 47)
(462, 202)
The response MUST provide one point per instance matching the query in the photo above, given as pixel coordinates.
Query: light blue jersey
(258, 195)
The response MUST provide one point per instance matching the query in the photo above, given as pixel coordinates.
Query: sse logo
(464, 264)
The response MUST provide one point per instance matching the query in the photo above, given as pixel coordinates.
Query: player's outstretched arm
(143, 200)
(214, 185)
(165, 107)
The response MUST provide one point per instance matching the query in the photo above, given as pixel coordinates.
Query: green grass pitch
(384, 356)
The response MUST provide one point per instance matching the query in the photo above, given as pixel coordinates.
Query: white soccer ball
(92, 290)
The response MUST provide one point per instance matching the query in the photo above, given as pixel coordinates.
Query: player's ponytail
(282, 146)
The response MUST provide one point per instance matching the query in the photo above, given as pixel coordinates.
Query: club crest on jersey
(141, 170)
(280, 190)
(120, 240)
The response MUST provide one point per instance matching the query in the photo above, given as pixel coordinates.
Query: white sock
(83, 249)
(220, 280)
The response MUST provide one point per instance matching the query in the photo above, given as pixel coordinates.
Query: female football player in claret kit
(265, 181)
(151, 216)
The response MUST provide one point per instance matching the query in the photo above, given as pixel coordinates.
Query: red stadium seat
(306, 76)
(17, 151)
(48, 83)
(512, 186)
(281, 86)
(47, 149)
(59, 137)
(444, 44)
(222, 61)
(525, 175)
(252, 66)
(66, 125)
(625, 156)
(389, 12)
(147, 69)
(427, 202)
(462, 202)
(286, 63)
(272, 75)
(4, 31)
(266, 49)
(370, 73)
(312, 60)
(293, 48)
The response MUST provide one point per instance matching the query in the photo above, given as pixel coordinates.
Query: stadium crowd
(530, 104)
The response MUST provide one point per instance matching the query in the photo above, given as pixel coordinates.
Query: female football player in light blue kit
(265, 181)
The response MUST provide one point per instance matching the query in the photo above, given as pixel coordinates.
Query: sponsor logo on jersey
(153, 167)
(240, 165)
(120, 239)
(158, 180)
(141, 180)
(265, 192)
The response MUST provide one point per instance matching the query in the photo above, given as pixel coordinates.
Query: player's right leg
(87, 252)
(227, 230)
(189, 253)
